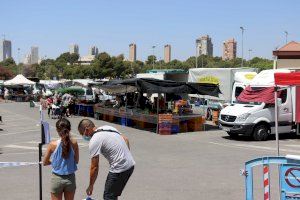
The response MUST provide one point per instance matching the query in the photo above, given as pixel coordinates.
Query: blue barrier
(289, 176)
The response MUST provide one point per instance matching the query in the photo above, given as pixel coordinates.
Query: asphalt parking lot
(187, 166)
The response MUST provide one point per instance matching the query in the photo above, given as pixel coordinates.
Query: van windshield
(89, 91)
(251, 103)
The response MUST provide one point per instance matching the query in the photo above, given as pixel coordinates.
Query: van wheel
(261, 133)
(209, 114)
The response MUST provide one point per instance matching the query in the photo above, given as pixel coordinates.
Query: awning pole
(276, 120)
(126, 107)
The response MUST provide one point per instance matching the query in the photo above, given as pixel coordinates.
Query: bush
(72, 91)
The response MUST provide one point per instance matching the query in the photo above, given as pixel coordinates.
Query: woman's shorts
(63, 183)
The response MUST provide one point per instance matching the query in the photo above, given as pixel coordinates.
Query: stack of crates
(215, 117)
(196, 124)
(165, 124)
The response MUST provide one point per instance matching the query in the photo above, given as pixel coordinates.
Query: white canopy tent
(19, 80)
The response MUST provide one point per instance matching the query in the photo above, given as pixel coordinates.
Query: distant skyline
(112, 26)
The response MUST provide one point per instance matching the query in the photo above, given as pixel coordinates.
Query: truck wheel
(260, 133)
(232, 135)
(209, 114)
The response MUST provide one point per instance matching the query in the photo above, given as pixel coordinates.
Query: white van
(257, 119)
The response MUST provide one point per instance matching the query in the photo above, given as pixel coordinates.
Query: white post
(275, 63)
(276, 120)
(41, 114)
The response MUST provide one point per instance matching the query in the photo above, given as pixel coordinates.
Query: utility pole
(153, 47)
(242, 28)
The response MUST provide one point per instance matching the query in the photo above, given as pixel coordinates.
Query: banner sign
(46, 132)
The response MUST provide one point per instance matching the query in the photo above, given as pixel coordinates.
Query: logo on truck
(209, 79)
(249, 76)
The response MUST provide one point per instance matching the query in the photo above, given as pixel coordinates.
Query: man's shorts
(115, 184)
(62, 183)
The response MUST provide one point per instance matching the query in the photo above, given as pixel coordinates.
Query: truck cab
(257, 118)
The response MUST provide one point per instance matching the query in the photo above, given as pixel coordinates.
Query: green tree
(51, 72)
(151, 59)
(5, 73)
(67, 58)
(8, 62)
(260, 63)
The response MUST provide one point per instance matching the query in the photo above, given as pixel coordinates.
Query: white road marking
(17, 119)
(16, 125)
(22, 147)
(83, 144)
(17, 153)
(253, 147)
(292, 145)
(35, 148)
(32, 130)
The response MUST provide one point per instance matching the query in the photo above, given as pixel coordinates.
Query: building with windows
(34, 55)
(27, 59)
(204, 46)
(93, 51)
(167, 52)
(132, 52)
(229, 49)
(74, 48)
(5, 49)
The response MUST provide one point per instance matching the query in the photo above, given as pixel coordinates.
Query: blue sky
(112, 25)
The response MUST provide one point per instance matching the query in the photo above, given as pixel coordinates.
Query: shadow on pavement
(210, 127)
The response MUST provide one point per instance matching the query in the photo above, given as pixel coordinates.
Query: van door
(285, 116)
(236, 91)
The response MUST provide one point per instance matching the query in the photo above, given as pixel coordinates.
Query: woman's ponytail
(63, 127)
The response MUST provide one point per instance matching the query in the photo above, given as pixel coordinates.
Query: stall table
(168, 123)
(86, 110)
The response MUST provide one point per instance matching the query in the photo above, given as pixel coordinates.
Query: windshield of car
(250, 103)
(89, 91)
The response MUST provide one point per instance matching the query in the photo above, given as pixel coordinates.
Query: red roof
(291, 46)
(290, 49)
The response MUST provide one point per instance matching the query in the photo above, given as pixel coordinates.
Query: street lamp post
(242, 28)
(19, 60)
(153, 47)
(286, 36)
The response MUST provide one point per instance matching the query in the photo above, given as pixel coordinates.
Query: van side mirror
(279, 101)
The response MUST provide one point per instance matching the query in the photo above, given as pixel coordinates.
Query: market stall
(168, 111)
(19, 88)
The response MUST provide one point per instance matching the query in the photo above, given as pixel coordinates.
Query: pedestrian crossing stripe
(16, 164)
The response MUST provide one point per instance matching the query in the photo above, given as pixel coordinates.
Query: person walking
(6, 94)
(115, 148)
(63, 156)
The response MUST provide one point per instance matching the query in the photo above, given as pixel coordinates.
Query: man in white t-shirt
(114, 146)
